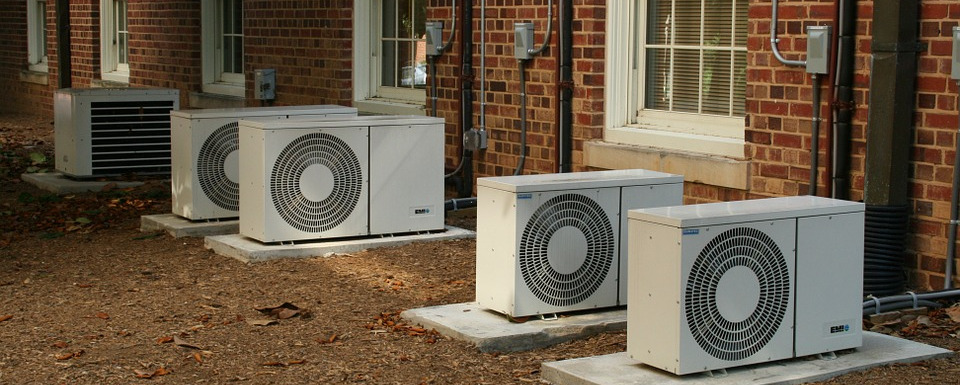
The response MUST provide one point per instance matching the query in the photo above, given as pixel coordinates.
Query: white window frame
(627, 122)
(368, 94)
(111, 67)
(215, 81)
(36, 46)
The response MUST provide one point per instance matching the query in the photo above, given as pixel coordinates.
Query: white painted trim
(625, 121)
(110, 70)
(212, 82)
(388, 107)
(36, 56)
(366, 74)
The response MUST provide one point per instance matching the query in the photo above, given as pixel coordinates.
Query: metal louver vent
(732, 258)
(303, 210)
(216, 185)
(130, 137)
(566, 215)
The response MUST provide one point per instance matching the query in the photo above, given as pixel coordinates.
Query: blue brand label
(524, 196)
(691, 231)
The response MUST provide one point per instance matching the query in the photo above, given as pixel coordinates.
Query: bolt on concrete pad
(493, 332)
(179, 227)
(59, 184)
(248, 250)
(620, 369)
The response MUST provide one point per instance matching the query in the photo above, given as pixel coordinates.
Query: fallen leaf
(64, 356)
(262, 322)
(82, 285)
(102, 315)
(60, 344)
(198, 358)
(953, 312)
(296, 362)
(5, 317)
(287, 313)
(165, 340)
(273, 363)
(148, 374)
(180, 342)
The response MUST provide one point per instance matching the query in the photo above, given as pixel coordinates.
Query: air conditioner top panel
(578, 180)
(249, 112)
(100, 92)
(710, 214)
(306, 122)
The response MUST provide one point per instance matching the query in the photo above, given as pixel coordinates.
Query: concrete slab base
(179, 227)
(249, 250)
(59, 184)
(620, 369)
(493, 332)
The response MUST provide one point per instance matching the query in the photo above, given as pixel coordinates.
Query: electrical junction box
(265, 84)
(955, 57)
(522, 40)
(434, 37)
(818, 49)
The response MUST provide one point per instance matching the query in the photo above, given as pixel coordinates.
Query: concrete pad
(493, 332)
(179, 227)
(620, 369)
(59, 184)
(249, 250)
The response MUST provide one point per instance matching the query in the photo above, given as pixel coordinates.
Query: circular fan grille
(214, 182)
(543, 280)
(293, 206)
(737, 248)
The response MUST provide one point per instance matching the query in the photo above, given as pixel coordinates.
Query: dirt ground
(86, 298)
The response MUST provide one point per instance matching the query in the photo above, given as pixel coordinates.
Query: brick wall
(309, 43)
(165, 45)
(18, 95)
(502, 110)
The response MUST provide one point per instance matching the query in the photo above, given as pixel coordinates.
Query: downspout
(843, 105)
(889, 137)
(565, 88)
(466, 97)
(64, 56)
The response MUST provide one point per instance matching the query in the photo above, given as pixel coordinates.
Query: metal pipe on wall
(843, 104)
(466, 98)
(565, 88)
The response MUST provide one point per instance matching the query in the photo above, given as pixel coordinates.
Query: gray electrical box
(818, 49)
(265, 84)
(955, 56)
(522, 40)
(434, 37)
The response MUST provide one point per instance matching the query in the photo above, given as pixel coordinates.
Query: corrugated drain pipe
(844, 103)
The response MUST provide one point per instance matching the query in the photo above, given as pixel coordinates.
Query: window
(37, 35)
(222, 46)
(680, 68)
(390, 52)
(115, 41)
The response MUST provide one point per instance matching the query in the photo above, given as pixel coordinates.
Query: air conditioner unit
(104, 131)
(307, 179)
(552, 243)
(720, 285)
(205, 163)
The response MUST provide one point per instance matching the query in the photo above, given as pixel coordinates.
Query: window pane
(228, 54)
(741, 24)
(687, 22)
(226, 14)
(658, 84)
(122, 49)
(389, 18)
(405, 18)
(237, 17)
(41, 21)
(658, 27)
(407, 65)
(739, 83)
(420, 18)
(686, 82)
(388, 64)
(717, 81)
(717, 22)
(237, 55)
